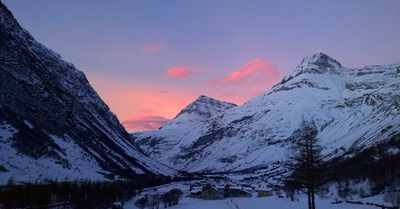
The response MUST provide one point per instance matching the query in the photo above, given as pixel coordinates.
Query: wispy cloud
(129, 99)
(255, 72)
(145, 123)
(181, 72)
(154, 46)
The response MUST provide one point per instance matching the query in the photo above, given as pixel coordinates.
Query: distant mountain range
(52, 123)
(353, 109)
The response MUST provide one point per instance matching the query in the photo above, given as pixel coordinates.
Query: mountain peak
(352, 109)
(321, 60)
(319, 63)
(203, 97)
(206, 107)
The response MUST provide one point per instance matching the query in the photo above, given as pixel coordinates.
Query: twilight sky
(149, 59)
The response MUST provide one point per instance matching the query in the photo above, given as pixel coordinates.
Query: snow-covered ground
(272, 202)
(260, 203)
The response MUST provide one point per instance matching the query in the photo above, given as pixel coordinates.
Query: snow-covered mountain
(53, 125)
(182, 130)
(353, 109)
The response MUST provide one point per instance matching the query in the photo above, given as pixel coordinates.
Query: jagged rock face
(49, 112)
(352, 108)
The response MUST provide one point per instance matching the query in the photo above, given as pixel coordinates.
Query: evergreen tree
(141, 203)
(306, 162)
(166, 199)
(392, 194)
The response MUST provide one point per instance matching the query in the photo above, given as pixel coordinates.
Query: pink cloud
(129, 99)
(181, 72)
(145, 123)
(154, 46)
(253, 73)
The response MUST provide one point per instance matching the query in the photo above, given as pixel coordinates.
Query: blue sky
(149, 59)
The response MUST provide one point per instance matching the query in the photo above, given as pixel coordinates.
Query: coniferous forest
(74, 194)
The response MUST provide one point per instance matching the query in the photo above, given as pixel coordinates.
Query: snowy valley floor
(257, 203)
(272, 202)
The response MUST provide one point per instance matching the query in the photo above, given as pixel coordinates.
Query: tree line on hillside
(372, 168)
(74, 194)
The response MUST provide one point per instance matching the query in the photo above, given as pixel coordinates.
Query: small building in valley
(209, 192)
(265, 192)
(196, 193)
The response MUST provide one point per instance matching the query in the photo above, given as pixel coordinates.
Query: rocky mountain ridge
(353, 109)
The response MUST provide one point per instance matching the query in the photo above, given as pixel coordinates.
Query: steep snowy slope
(182, 130)
(352, 108)
(53, 124)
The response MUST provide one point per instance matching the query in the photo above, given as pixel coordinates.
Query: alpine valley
(53, 124)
